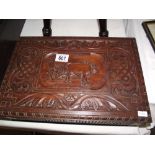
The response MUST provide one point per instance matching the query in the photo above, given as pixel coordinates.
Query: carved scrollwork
(72, 44)
(22, 75)
(122, 73)
(72, 102)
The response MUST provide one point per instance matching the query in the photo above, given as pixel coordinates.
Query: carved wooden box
(101, 83)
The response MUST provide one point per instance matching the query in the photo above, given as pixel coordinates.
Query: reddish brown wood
(102, 82)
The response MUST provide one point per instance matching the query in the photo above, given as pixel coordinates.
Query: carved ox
(86, 70)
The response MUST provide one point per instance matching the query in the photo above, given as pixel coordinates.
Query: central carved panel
(82, 70)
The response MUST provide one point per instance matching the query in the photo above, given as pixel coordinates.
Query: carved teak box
(95, 81)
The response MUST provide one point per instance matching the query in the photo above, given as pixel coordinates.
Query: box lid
(86, 80)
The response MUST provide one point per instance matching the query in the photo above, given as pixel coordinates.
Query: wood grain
(102, 82)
